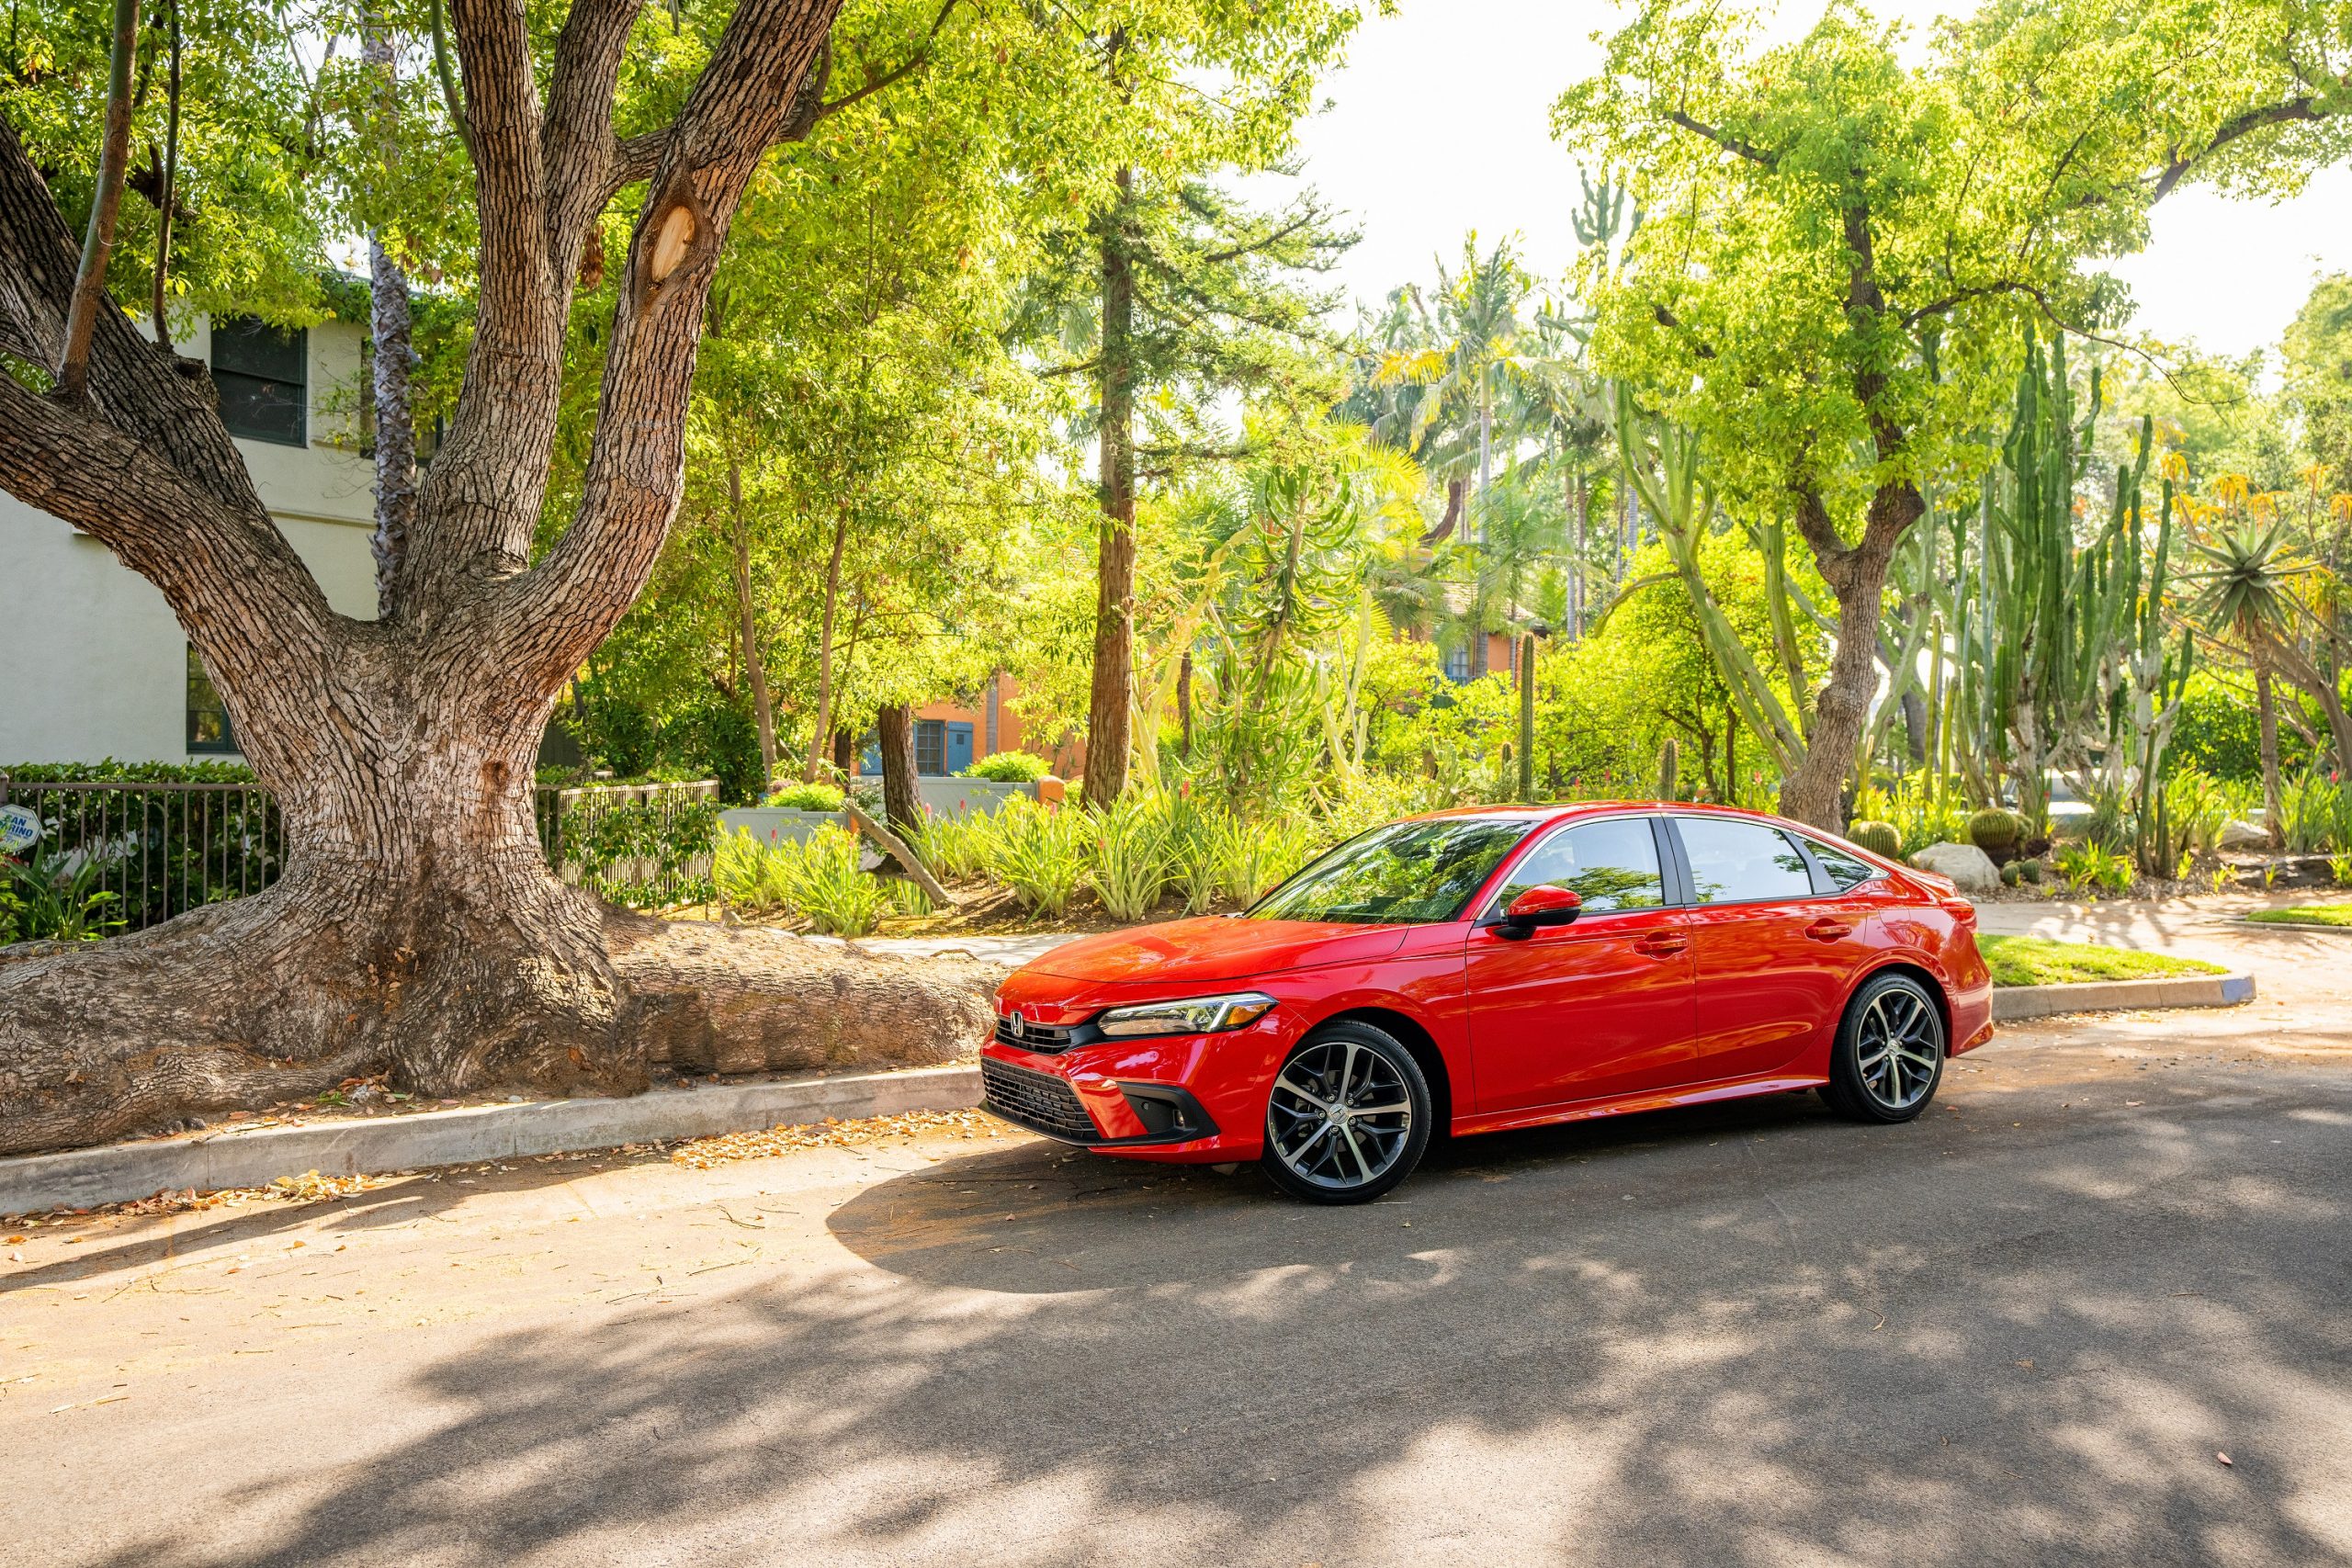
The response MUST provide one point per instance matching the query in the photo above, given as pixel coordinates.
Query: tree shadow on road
(1736, 1335)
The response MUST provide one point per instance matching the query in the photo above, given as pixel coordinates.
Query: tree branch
(1725, 140)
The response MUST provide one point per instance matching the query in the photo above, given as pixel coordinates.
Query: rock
(2242, 836)
(1970, 868)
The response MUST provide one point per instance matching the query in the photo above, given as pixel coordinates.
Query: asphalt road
(2020, 1331)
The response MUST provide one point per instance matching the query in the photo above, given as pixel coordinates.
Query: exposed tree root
(252, 1003)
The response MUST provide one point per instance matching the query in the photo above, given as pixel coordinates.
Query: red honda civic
(1490, 968)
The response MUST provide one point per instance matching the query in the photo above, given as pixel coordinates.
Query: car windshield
(1408, 873)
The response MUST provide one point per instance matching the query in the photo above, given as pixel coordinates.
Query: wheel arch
(1913, 969)
(1416, 1038)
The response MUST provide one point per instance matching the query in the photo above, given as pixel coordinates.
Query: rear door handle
(1661, 944)
(1829, 929)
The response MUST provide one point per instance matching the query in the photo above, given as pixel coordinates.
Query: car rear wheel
(1348, 1118)
(1890, 1052)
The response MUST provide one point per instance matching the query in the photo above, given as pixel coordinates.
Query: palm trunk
(1110, 697)
(2274, 802)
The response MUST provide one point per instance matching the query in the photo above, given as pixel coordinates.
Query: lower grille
(1036, 1099)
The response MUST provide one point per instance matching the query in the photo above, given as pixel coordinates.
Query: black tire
(1380, 1139)
(1889, 1058)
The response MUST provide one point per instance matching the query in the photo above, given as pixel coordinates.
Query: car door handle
(1829, 930)
(1661, 944)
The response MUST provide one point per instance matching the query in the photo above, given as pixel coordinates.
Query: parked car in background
(1492, 968)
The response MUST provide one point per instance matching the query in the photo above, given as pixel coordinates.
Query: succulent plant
(1880, 838)
(1995, 828)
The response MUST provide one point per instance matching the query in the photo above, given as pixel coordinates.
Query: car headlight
(1193, 1015)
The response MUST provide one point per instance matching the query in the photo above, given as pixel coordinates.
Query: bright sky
(1440, 123)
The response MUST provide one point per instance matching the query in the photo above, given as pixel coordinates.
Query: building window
(207, 719)
(263, 375)
(1457, 664)
(931, 746)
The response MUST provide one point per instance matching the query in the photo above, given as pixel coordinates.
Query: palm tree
(2246, 594)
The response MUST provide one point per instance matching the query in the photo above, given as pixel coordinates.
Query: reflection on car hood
(1213, 949)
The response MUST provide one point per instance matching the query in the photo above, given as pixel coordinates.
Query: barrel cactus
(1996, 831)
(1880, 838)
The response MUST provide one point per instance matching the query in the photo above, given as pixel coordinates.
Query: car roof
(1566, 811)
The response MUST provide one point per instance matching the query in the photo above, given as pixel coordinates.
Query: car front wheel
(1890, 1052)
(1348, 1118)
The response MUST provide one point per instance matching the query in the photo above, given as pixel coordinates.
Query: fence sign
(19, 829)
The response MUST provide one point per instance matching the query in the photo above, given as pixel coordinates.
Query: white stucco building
(92, 664)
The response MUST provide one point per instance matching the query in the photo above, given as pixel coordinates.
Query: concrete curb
(2013, 1003)
(2298, 928)
(82, 1179)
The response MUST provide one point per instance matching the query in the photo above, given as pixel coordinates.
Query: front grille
(1036, 1099)
(1045, 1039)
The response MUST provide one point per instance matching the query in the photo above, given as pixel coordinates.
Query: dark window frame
(199, 685)
(935, 731)
(238, 369)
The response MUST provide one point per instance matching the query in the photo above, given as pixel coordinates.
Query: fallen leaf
(2027, 1365)
(16, 1240)
(2225, 1459)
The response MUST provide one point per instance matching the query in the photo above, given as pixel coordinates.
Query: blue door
(959, 747)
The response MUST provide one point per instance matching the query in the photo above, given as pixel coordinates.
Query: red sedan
(1492, 968)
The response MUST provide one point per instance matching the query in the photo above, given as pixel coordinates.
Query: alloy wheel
(1897, 1049)
(1340, 1115)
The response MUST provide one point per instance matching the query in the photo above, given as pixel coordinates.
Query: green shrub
(1131, 855)
(642, 854)
(1995, 828)
(1010, 767)
(1882, 839)
(828, 886)
(805, 797)
(2315, 815)
(1040, 852)
(57, 898)
(2092, 866)
(954, 844)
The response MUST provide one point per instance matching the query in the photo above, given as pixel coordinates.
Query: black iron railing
(163, 847)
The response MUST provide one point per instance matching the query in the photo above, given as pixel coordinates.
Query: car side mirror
(1541, 907)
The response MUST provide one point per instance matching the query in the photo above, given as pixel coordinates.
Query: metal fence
(163, 847)
(160, 849)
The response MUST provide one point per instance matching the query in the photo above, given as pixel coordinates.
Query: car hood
(1212, 949)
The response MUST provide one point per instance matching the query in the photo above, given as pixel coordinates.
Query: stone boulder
(2242, 836)
(1971, 869)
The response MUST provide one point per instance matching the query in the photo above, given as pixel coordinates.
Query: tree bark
(393, 359)
(755, 666)
(2274, 800)
(1856, 573)
(1111, 698)
(89, 296)
(825, 727)
(901, 801)
(169, 188)
(416, 928)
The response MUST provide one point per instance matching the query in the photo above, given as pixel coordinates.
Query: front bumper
(1049, 1103)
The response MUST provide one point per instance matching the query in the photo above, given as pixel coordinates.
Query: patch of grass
(2037, 961)
(2305, 915)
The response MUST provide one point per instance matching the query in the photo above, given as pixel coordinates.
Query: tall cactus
(2071, 669)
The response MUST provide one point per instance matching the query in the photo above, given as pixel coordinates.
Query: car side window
(1734, 861)
(1843, 869)
(1611, 864)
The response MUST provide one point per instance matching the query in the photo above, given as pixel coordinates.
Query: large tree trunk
(901, 801)
(416, 927)
(1856, 573)
(1111, 697)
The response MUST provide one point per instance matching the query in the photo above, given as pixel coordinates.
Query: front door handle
(1661, 944)
(1828, 928)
